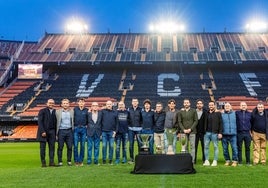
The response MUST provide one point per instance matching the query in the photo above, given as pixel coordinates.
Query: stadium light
(166, 27)
(257, 26)
(76, 26)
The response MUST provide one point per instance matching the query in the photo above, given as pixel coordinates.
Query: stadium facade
(212, 66)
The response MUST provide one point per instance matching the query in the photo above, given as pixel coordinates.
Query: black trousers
(51, 139)
(199, 137)
(65, 136)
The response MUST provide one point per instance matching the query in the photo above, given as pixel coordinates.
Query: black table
(164, 164)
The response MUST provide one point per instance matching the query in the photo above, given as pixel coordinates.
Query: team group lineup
(77, 126)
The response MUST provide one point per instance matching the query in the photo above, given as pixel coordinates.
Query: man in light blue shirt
(65, 126)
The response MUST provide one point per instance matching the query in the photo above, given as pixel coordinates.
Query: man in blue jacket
(109, 124)
(229, 135)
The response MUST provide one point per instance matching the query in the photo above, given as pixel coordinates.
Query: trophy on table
(170, 138)
(183, 141)
(144, 140)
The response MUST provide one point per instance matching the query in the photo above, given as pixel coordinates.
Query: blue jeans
(214, 138)
(107, 137)
(80, 134)
(247, 141)
(151, 141)
(131, 137)
(93, 142)
(121, 138)
(226, 140)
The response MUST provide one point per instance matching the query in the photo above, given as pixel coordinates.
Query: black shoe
(110, 162)
(104, 162)
(52, 164)
(44, 165)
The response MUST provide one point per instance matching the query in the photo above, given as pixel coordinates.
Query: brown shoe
(234, 164)
(227, 163)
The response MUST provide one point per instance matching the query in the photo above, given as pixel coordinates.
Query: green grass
(20, 167)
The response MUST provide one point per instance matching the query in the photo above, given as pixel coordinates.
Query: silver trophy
(144, 140)
(184, 141)
(170, 138)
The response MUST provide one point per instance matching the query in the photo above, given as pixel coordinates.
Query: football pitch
(20, 167)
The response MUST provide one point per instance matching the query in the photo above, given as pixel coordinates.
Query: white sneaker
(214, 163)
(206, 163)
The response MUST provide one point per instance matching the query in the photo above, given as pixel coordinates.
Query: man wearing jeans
(109, 124)
(93, 133)
(122, 132)
(80, 131)
(213, 133)
(229, 135)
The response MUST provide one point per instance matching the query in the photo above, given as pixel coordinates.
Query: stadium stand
(225, 67)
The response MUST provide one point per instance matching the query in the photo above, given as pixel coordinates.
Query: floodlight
(166, 27)
(256, 26)
(76, 26)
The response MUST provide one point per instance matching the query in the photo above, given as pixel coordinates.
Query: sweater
(109, 120)
(243, 121)
(123, 121)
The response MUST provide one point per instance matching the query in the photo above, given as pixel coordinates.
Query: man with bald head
(93, 133)
(109, 124)
(46, 132)
(243, 123)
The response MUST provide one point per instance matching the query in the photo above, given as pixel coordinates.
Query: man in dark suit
(93, 133)
(47, 132)
(200, 128)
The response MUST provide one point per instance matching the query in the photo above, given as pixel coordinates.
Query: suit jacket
(58, 115)
(187, 120)
(44, 119)
(93, 127)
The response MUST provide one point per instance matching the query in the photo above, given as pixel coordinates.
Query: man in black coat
(47, 132)
(200, 128)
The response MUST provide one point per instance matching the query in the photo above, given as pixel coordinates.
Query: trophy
(159, 149)
(183, 141)
(170, 139)
(144, 140)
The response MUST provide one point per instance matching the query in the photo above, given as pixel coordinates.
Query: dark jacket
(135, 117)
(46, 122)
(93, 127)
(256, 125)
(187, 120)
(200, 127)
(216, 120)
(123, 121)
(243, 121)
(109, 120)
(80, 117)
(159, 119)
(147, 119)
